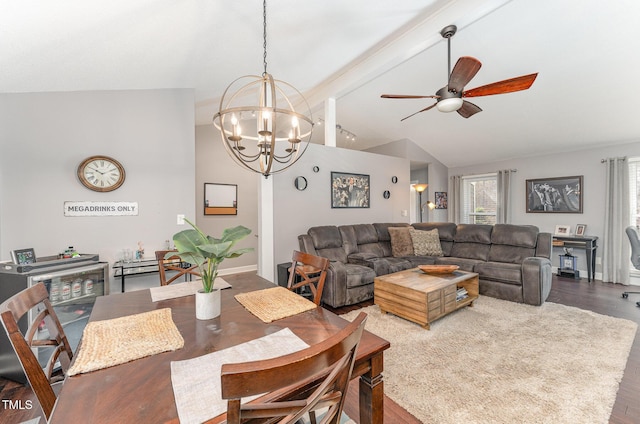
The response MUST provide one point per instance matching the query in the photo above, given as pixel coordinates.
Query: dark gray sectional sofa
(513, 261)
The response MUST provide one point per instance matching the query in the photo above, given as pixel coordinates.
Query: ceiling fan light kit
(451, 97)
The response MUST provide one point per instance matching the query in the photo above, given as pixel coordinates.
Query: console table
(588, 243)
(136, 267)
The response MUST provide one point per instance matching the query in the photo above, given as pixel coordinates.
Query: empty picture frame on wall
(555, 195)
(220, 199)
(349, 190)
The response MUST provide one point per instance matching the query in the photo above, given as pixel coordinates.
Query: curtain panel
(503, 206)
(615, 245)
(455, 199)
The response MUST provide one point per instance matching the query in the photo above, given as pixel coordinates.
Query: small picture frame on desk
(580, 230)
(563, 230)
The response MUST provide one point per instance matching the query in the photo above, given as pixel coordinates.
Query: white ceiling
(586, 53)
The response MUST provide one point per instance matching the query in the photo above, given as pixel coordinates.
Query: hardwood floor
(598, 297)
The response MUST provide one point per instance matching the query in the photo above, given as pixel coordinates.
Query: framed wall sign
(23, 256)
(220, 199)
(555, 195)
(349, 190)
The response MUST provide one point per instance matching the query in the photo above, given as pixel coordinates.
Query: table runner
(183, 289)
(274, 303)
(196, 382)
(120, 340)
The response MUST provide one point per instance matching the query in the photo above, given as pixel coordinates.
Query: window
(479, 199)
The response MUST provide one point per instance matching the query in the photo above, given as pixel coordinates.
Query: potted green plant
(207, 252)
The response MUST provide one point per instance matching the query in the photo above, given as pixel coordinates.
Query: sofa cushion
(446, 230)
(325, 236)
(383, 229)
(401, 242)
(509, 254)
(358, 275)
(464, 263)
(328, 242)
(515, 235)
(389, 265)
(503, 272)
(473, 233)
(384, 238)
(476, 251)
(426, 243)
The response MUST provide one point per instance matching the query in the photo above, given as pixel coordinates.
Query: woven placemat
(120, 340)
(274, 303)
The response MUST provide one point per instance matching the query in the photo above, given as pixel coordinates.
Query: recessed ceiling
(584, 50)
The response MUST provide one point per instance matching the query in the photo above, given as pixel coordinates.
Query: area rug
(504, 362)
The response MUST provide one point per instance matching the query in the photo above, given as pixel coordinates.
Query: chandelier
(260, 127)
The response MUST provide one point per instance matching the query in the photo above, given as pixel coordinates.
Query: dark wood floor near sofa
(597, 297)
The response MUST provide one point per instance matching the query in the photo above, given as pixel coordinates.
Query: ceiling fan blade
(423, 110)
(501, 87)
(408, 96)
(468, 109)
(466, 68)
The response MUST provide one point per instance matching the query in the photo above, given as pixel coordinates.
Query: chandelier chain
(264, 36)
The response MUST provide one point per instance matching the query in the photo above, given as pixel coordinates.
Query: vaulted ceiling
(585, 51)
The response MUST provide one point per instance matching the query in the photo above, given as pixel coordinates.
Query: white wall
(437, 174)
(296, 211)
(214, 165)
(45, 136)
(584, 162)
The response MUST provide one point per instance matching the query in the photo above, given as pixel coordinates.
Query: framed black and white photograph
(350, 190)
(580, 230)
(23, 256)
(441, 200)
(555, 195)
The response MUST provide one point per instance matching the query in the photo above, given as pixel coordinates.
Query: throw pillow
(401, 242)
(426, 243)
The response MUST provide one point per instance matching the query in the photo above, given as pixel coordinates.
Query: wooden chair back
(171, 264)
(311, 270)
(14, 308)
(296, 384)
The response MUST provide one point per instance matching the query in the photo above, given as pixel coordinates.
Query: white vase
(207, 304)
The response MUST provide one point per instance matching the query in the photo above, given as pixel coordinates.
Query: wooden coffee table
(423, 298)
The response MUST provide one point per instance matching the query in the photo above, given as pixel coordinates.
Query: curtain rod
(485, 174)
(604, 160)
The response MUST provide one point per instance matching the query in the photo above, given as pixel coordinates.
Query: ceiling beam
(411, 40)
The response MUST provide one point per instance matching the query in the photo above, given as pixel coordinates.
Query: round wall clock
(101, 173)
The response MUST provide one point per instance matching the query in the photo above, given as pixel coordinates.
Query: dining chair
(323, 370)
(173, 263)
(40, 379)
(308, 270)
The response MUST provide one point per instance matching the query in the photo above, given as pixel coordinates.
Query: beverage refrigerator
(73, 285)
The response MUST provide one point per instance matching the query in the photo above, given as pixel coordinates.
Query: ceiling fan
(451, 97)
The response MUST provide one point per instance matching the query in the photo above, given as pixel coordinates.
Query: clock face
(101, 173)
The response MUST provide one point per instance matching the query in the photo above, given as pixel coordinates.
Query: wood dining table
(141, 391)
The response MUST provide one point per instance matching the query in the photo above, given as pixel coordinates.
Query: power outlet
(180, 220)
(598, 260)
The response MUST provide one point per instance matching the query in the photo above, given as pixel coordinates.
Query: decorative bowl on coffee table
(438, 269)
